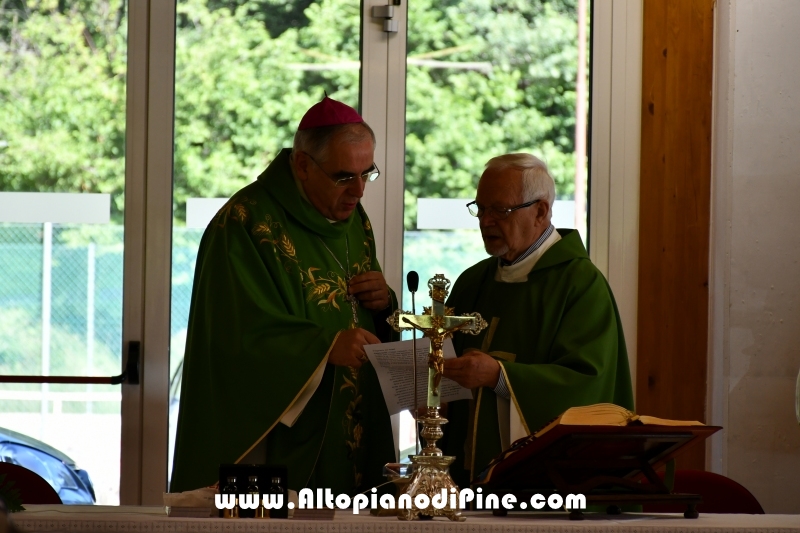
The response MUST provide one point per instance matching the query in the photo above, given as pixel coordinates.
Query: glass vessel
(230, 488)
(252, 488)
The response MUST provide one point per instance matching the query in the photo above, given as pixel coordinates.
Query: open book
(608, 414)
(600, 450)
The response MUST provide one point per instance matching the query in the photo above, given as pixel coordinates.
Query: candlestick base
(431, 475)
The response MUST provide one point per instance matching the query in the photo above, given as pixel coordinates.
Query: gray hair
(537, 183)
(315, 141)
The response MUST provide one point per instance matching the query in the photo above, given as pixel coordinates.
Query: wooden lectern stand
(610, 465)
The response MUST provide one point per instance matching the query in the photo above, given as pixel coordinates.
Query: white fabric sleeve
(501, 389)
(516, 429)
(504, 422)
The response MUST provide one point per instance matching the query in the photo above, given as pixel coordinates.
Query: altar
(61, 518)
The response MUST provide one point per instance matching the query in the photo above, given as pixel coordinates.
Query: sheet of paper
(393, 364)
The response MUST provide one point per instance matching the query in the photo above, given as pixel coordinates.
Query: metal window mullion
(158, 252)
(625, 173)
(616, 132)
(374, 50)
(133, 262)
(383, 60)
(600, 134)
(395, 151)
(719, 301)
(383, 99)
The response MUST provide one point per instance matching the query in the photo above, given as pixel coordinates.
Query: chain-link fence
(61, 301)
(61, 290)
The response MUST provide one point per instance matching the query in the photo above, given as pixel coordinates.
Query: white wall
(755, 319)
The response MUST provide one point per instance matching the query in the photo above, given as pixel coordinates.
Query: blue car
(72, 484)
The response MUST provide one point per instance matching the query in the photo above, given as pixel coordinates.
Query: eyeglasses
(344, 179)
(498, 213)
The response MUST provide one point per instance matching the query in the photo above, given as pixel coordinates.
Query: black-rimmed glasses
(498, 213)
(343, 180)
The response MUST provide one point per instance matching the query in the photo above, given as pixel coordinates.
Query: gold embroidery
(287, 246)
(331, 289)
(366, 263)
(352, 422)
(262, 229)
(363, 266)
(271, 232)
(325, 290)
(505, 356)
(328, 290)
(235, 208)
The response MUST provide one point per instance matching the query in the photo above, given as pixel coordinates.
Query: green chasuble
(267, 304)
(558, 338)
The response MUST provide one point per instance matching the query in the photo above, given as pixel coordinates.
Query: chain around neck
(350, 298)
(346, 252)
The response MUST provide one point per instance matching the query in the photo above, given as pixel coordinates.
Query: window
(63, 69)
(86, 105)
(245, 73)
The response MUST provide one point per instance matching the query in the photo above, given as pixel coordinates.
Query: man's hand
(473, 369)
(348, 350)
(371, 290)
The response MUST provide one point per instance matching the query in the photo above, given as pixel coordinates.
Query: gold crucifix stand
(431, 469)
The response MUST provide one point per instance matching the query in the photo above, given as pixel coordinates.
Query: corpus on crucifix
(437, 324)
(430, 472)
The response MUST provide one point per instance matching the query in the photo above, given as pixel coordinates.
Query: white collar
(518, 273)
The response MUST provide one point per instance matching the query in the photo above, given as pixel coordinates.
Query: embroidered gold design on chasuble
(328, 291)
(235, 208)
(325, 290)
(352, 421)
(272, 232)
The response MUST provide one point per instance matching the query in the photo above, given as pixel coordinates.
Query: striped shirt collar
(535, 246)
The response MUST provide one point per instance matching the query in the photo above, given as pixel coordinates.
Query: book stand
(607, 464)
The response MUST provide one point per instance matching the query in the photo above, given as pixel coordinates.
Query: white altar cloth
(56, 518)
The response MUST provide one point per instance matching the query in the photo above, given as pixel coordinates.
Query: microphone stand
(414, 357)
(412, 281)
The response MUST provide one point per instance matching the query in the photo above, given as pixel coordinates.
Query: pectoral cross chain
(348, 276)
(353, 302)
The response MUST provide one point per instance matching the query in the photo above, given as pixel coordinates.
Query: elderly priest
(287, 292)
(554, 339)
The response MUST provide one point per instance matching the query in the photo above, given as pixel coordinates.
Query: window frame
(614, 154)
(615, 124)
(148, 248)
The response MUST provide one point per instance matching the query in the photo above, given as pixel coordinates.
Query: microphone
(412, 280)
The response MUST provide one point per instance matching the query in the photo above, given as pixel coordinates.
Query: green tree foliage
(62, 97)
(459, 118)
(238, 97)
(484, 78)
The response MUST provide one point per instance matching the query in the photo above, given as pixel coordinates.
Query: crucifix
(430, 468)
(353, 302)
(438, 324)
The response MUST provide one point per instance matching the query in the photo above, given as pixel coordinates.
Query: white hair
(537, 183)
